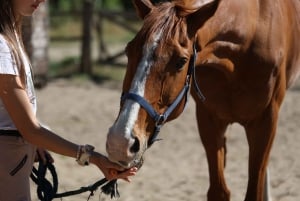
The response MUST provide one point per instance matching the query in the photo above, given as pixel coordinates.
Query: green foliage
(71, 5)
(76, 5)
(65, 5)
(112, 4)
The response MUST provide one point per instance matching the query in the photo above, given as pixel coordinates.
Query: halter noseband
(160, 119)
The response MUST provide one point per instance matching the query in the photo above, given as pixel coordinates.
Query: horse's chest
(237, 99)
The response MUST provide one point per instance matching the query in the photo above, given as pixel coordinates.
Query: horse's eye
(181, 62)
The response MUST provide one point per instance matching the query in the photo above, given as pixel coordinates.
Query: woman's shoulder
(4, 47)
(7, 61)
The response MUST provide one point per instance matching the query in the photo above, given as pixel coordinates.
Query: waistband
(13, 133)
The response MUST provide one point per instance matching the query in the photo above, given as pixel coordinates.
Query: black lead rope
(47, 191)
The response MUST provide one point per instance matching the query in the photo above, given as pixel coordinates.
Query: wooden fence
(93, 21)
(36, 37)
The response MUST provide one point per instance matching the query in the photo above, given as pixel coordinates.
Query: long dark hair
(10, 29)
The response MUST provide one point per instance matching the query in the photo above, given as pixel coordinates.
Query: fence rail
(118, 18)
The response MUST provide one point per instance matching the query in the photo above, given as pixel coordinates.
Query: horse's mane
(163, 18)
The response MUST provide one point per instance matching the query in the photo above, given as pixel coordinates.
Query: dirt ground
(175, 168)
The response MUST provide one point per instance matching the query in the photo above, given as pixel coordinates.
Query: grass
(112, 33)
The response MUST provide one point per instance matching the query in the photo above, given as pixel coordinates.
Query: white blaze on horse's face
(122, 145)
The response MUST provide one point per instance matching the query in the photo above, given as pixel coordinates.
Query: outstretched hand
(111, 170)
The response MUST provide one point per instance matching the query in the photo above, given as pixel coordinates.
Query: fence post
(87, 17)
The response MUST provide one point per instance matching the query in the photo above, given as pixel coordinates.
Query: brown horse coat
(248, 54)
(253, 49)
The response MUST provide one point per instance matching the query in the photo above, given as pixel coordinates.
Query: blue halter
(160, 119)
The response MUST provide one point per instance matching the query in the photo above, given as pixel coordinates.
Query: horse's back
(269, 29)
(251, 49)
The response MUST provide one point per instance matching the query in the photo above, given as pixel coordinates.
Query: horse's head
(160, 58)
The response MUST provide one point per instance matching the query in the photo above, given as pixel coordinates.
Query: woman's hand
(43, 155)
(111, 170)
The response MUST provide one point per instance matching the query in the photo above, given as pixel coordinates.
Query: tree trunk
(36, 40)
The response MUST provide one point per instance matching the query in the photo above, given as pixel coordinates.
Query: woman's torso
(8, 66)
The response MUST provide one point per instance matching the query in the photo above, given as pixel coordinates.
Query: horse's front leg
(212, 133)
(267, 187)
(260, 135)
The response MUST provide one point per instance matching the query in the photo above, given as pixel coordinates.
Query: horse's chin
(139, 163)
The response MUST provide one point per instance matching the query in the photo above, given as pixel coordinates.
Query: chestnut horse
(240, 57)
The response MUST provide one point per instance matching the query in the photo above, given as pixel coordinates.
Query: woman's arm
(16, 102)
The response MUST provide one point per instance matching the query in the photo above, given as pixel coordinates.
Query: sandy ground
(175, 168)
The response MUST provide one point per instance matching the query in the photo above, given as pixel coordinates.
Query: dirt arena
(175, 168)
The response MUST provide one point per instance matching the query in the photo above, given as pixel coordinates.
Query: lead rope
(47, 191)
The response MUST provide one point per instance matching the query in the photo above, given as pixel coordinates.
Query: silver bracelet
(84, 153)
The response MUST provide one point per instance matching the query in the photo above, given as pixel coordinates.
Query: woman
(21, 135)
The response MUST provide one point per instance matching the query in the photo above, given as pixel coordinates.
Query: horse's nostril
(136, 146)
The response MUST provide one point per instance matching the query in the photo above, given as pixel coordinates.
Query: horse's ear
(196, 19)
(143, 7)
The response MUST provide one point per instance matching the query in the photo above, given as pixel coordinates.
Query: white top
(8, 66)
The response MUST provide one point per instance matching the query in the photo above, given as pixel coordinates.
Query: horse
(236, 59)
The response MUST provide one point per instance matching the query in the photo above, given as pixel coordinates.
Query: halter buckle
(160, 120)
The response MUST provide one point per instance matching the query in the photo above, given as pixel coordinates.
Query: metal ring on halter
(160, 120)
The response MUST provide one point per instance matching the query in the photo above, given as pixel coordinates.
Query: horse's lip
(124, 164)
(135, 163)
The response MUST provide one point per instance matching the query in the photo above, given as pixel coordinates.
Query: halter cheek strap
(160, 119)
